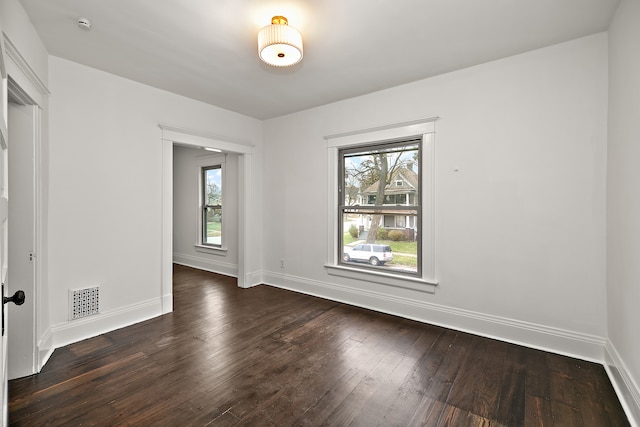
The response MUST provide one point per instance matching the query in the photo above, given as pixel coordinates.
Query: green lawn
(402, 247)
(214, 229)
(347, 240)
(407, 261)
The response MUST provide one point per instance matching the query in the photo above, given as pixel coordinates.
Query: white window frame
(424, 128)
(207, 162)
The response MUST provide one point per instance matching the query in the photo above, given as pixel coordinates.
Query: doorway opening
(247, 239)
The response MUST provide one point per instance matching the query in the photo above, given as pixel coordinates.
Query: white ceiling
(207, 49)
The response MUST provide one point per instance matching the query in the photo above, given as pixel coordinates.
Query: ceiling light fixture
(279, 44)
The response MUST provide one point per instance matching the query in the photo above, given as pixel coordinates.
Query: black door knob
(17, 298)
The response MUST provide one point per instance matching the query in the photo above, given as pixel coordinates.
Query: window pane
(212, 204)
(401, 253)
(384, 176)
(213, 186)
(213, 221)
(380, 208)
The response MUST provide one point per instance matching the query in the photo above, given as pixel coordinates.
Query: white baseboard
(254, 279)
(626, 388)
(555, 340)
(77, 330)
(45, 349)
(206, 264)
(167, 303)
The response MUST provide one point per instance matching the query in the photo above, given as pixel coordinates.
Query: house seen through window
(379, 206)
(212, 205)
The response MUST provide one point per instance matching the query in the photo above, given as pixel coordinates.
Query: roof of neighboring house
(409, 180)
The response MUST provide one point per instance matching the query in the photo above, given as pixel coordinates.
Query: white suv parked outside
(371, 253)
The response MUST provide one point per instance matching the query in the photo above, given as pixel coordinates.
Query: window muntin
(374, 171)
(211, 227)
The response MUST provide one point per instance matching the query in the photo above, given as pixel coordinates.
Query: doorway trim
(247, 244)
(25, 86)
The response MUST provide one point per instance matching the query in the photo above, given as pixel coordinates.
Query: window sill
(211, 250)
(414, 283)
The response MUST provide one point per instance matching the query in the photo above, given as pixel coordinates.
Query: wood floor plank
(442, 365)
(537, 412)
(305, 386)
(478, 382)
(331, 400)
(269, 357)
(367, 404)
(512, 404)
(427, 413)
(410, 395)
(453, 416)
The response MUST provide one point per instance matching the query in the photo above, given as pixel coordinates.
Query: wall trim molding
(626, 388)
(24, 67)
(555, 340)
(196, 137)
(206, 264)
(77, 330)
(246, 204)
(418, 126)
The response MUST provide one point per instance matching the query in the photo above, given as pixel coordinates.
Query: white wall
(105, 186)
(185, 212)
(520, 228)
(623, 199)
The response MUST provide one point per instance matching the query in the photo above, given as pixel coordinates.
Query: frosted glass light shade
(279, 44)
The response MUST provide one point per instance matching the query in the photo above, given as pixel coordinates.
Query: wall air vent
(84, 302)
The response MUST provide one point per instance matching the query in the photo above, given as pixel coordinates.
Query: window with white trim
(211, 230)
(381, 210)
(210, 233)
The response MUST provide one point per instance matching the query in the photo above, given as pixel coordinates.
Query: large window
(211, 191)
(383, 231)
(381, 222)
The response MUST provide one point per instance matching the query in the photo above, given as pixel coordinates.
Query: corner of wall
(627, 390)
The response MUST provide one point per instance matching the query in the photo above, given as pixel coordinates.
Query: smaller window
(212, 206)
(399, 183)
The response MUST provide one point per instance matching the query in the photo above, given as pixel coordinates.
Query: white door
(4, 212)
(21, 352)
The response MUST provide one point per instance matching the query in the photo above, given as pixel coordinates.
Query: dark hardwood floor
(270, 357)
